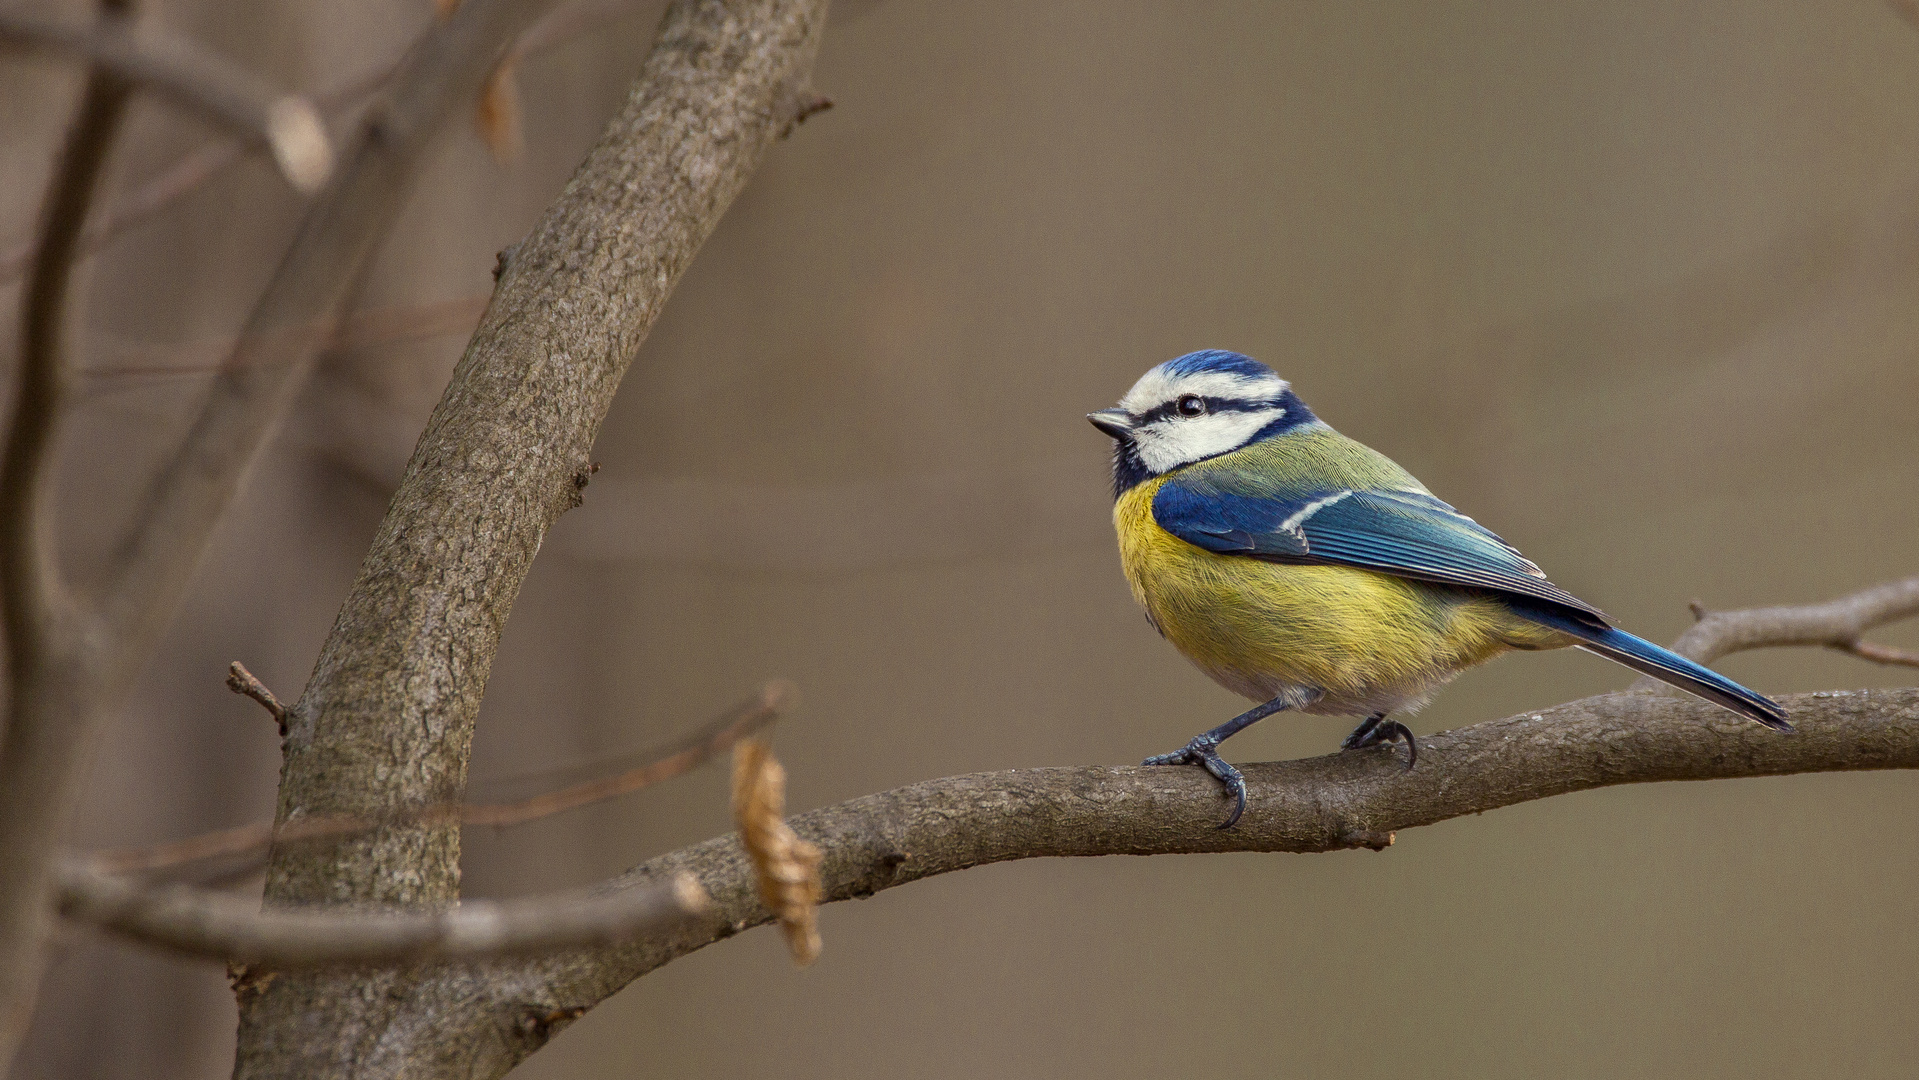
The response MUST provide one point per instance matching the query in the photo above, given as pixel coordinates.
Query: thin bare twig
(1881, 654)
(242, 682)
(254, 836)
(695, 750)
(360, 330)
(201, 922)
(205, 82)
(1837, 624)
(683, 757)
(51, 684)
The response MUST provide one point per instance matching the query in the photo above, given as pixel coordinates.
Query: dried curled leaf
(788, 867)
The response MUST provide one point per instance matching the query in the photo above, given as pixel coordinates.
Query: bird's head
(1198, 406)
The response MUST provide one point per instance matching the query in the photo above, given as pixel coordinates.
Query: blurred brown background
(1635, 284)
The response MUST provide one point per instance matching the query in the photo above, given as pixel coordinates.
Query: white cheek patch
(1170, 443)
(1156, 387)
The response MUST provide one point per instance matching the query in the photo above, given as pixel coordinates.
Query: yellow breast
(1368, 641)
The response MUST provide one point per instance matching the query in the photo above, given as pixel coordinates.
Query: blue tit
(1306, 571)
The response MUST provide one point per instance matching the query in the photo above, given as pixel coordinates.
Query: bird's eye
(1191, 405)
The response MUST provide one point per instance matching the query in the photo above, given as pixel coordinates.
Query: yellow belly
(1367, 642)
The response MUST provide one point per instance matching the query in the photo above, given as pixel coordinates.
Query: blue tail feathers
(1668, 667)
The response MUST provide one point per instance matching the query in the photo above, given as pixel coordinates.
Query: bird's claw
(1383, 731)
(1201, 751)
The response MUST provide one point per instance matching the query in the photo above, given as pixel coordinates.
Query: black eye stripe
(1213, 405)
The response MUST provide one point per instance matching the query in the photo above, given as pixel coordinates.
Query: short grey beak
(1115, 422)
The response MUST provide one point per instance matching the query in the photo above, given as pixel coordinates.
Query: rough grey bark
(387, 719)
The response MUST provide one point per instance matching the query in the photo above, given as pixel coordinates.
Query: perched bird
(1306, 571)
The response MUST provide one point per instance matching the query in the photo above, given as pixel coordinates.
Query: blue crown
(1220, 360)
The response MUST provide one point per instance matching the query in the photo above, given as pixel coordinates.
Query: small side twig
(365, 329)
(201, 922)
(180, 70)
(241, 681)
(1881, 654)
(1837, 624)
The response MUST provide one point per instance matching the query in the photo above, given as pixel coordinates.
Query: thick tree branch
(205, 82)
(468, 1021)
(1346, 800)
(204, 923)
(51, 684)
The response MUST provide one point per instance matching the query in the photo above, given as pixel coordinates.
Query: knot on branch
(248, 981)
(504, 258)
(537, 1024)
(582, 477)
(885, 872)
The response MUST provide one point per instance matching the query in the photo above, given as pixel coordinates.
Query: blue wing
(1406, 532)
(1403, 532)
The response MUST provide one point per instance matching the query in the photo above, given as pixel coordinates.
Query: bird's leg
(1377, 729)
(1203, 751)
